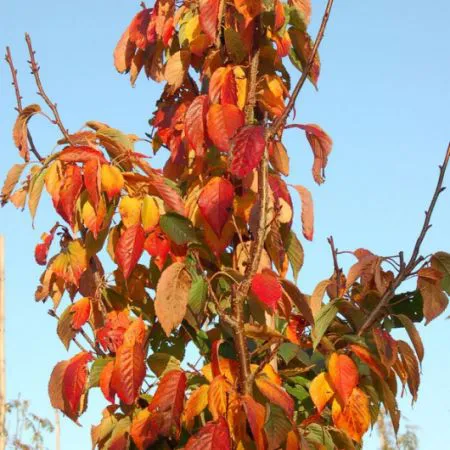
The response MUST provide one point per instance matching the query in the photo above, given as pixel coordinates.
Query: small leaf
(307, 211)
(302, 46)
(413, 335)
(160, 363)
(277, 426)
(129, 249)
(149, 214)
(441, 261)
(20, 130)
(266, 288)
(81, 311)
(317, 296)
(178, 228)
(64, 330)
(323, 320)
(386, 346)
(12, 178)
(213, 435)
(321, 391)
(223, 121)
(111, 180)
(435, 301)
(295, 253)
(343, 375)
(35, 191)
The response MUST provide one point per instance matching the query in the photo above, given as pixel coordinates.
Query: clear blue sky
(384, 96)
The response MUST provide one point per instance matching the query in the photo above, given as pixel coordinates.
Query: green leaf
(160, 363)
(295, 253)
(277, 426)
(296, 18)
(64, 329)
(323, 319)
(36, 186)
(298, 392)
(317, 434)
(288, 351)
(408, 303)
(96, 369)
(233, 43)
(441, 261)
(197, 295)
(179, 229)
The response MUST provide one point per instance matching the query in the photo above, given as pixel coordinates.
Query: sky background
(383, 97)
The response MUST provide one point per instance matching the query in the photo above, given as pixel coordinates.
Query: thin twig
(52, 313)
(19, 108)
(407, 269)
(282, 119)
(337, 269)
(35, 71)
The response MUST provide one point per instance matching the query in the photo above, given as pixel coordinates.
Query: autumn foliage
(178, 285)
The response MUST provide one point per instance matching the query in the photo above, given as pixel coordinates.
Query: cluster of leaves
(202, 249)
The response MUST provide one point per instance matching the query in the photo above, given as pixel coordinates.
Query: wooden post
(2, 348)
(57, 431)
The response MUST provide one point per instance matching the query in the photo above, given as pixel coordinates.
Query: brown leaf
(176, 69)
(20, 130)
(435, 301)
(307, 211)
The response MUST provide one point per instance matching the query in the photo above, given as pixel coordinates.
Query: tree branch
(19, 108)
(282, 119)
(35, 71)
(407, 269)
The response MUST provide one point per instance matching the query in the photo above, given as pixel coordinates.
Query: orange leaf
(81, 310)
(105, 382)
(307, 211)
(321, 391)
(129, 249)
(20, 130)
(216, 202)
(229, 368)
(176, 69)
(112, 180)
(124, 52)
(223, 121)
(168, 402)
(144, 428)
(256, 416)
(195, 124)
(172, 294)
(248, 149)
(364, 355)
(209, 12)
(129, 372)
(386, 346)
(267, 288)
(138, 28)
(68, 195)
(248, 8)
(213, 436)
(81, 153)
(343, 375)
(74, 381)
(92, 180)
(354, 419)
(304, 7)
(195, 404)
(218, 393)
(435, 301)
(275, 394)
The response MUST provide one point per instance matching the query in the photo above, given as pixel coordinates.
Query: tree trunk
(2, 349)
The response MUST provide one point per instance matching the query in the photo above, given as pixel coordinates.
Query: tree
(277, 368)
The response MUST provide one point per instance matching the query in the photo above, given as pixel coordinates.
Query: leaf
(212, 436)
(223, 121)
(144, 429)
(248, 8)
(266, 288)
(441, 261)
(160, 363)
(71, 263)
(302, 47)
(317, 296)
(434, 300)
(41, 250)
(20, 130)
(218, 393)
(130, 210)
(111, 180)
(12, 178)
(149, 214)
(124, 52)
(295, 253)
(81, 154)
(233, 44)
(195, 124)
(55, 386)
(411, 365)
(105, 382)
(275, 394)
(81, 311)
(168, 402)
(216, 202)
(176, 69)
(279, 158)
(195, 404)
(96, 370)
(322, 321)
(256, 415)
(277, 427)
(343, 375)
(178, 228)
(35, 191)
(321, 391)
(74, 382)
(209, 12)
(172, 294)
(307, 212)
(248, 149)
(92, 180)
(129, 372)
(299, 300)
(354, 419)
(304, 8)
(197, 295)
(386, 346)
(64, 329)
(69, 192)
(365, 356)
(129, 249)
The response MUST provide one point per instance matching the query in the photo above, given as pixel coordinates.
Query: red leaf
(81, 311)
(256, 416)
(81, 153)
(129, 372)
(307, 211)
(74, 381)
(105, 382)
(41, 250)
(69, 193)
(216, 202)
(248, 149)
(275, 394)
(266, 287)
(213, 436)
(129, 248)
(343, 375)
(93, 180)
(158, 246)
(223, 121)
(195, 123)
(138, 28)
(386, 346)
(168, 401)
(209, 12)
(228, 92)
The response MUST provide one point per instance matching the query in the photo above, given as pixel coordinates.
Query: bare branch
(406, 269)
(35, 71)
(298, 87)
(19, 108)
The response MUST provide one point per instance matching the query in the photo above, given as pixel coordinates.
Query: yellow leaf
(192, 29)
(321, 391)
(218, 393)
(130, 210)
(71, 263)
(195, 404)
(241, 84)
(149, 213)
(112, 180)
